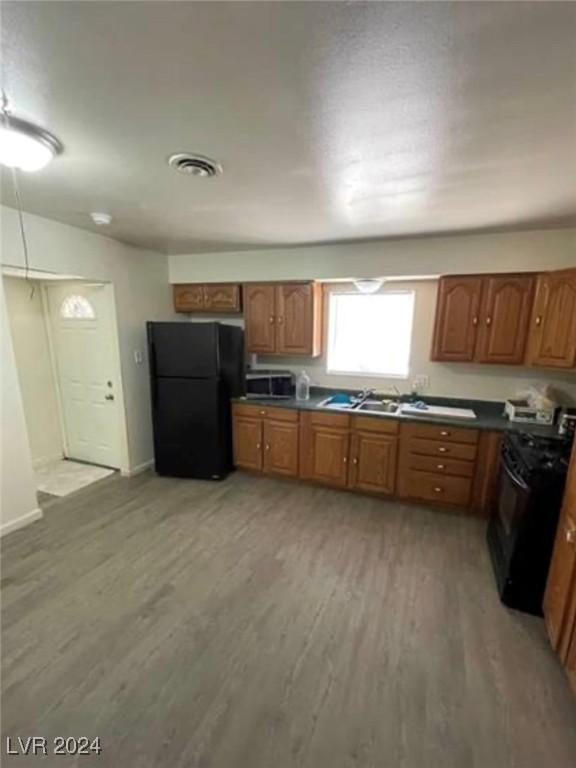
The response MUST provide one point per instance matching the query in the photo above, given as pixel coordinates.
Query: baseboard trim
(21, 522)
(138, 469)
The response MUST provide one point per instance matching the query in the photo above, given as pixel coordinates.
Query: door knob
(108, 397)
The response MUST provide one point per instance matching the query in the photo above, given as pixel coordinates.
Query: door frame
(122, 427)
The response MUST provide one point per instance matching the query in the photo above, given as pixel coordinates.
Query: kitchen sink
(376, 406)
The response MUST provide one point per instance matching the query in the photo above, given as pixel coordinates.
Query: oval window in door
(76, 307)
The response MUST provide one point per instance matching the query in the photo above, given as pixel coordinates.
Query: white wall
(486, 382)
(410, 257)
(141, 290)
(18, 493)
(31, 350)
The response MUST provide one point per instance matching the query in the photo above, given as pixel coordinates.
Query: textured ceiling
(333, 121)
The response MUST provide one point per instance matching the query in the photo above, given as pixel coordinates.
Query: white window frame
(331, 330)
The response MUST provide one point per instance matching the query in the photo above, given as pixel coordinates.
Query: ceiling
(333, 121)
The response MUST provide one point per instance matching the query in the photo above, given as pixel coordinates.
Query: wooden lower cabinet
(247, 434)
(265, 439)
(280, 447)
(373, 450)
(560, 595)
(455, 466)
(325, 447)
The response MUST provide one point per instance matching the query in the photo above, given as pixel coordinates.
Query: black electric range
(523, 525)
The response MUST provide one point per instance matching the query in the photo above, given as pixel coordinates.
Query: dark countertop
(489, 414)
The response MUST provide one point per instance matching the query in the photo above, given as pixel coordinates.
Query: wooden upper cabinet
(260, 317)
(504, 319)
(552, 338)
(298, 308)
(457, 314)
(281, 447)
(283, 319)
(188, 298)
(212, 297)
(222, 297)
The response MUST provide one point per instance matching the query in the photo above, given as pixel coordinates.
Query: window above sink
(370, 334)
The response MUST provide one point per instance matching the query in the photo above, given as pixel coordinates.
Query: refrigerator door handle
(153, 387)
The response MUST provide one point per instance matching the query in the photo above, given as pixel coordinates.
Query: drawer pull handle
(438, 489)
(440, 466)
(571, 536)
(442, 449)
(445, 433)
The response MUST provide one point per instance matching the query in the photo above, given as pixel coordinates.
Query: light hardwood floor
(258, 623)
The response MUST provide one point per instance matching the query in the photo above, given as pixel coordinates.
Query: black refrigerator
(195, 368)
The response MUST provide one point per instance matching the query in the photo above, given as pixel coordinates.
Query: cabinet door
(328, 453)
(504, 319)
(457, 310)
(247, 442)
(281, 448)
(552, 339)
(222, 297)
(188, 298)
(562, 575)
(373, 465)
(260, 318)
(298, 328)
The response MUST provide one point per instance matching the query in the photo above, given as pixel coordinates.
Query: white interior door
(83, 333)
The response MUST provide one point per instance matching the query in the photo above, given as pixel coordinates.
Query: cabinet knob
(538, 319)
(267, 446)
(488, 321)
(440, 466)
(345, 459)
(258, 446)
(262, 413)
(438, 489)
(442, 449)
(271, 318)
(474, 321)
(445, 433)
(280, 320)
(571, 536)
(354, 460)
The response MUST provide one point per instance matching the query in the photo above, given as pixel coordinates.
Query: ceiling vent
(195, 165)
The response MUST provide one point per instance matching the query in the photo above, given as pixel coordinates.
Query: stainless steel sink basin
(378, 407)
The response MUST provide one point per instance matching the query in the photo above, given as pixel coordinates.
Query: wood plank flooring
(257, 623)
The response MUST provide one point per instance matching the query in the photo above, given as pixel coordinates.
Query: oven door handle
(513, 477)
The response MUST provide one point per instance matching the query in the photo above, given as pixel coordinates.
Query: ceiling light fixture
(101, 219)
(369, 284)
(24, 145)
(195, 165)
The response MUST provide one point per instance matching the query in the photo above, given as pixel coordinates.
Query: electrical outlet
(421, 382)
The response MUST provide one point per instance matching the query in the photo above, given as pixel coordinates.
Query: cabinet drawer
(440, 466)
(424, 447)
(265, 412)
(329, 419)
(446, 433)
(384, 426)
(441, 488)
